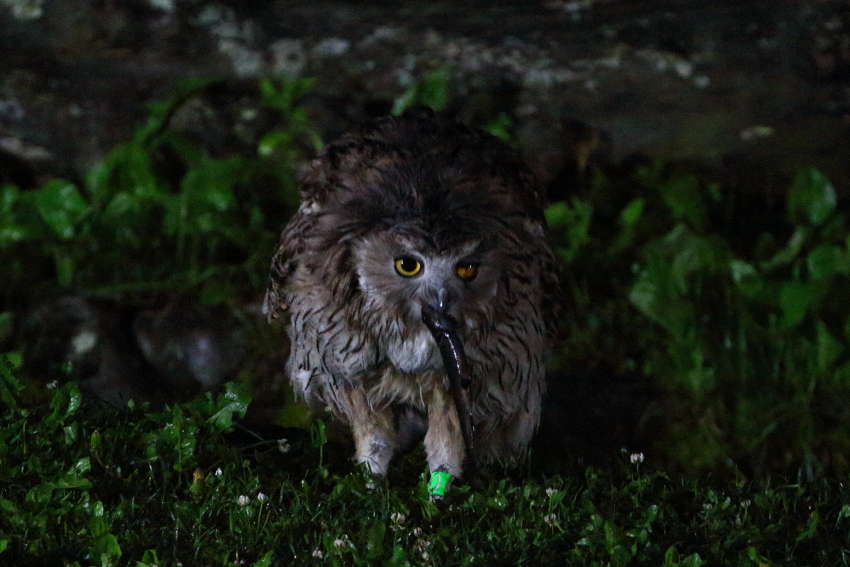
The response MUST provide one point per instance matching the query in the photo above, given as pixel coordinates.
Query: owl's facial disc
(401, 273)
(411, 267)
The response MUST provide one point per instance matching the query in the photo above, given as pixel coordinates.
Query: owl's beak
(440, 304)
(442, 301)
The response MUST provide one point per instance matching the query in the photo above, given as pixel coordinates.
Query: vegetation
(742, 327)
(134, 486)
(745, 331)
(190, 221)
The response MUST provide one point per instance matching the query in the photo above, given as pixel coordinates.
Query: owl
(405, 215)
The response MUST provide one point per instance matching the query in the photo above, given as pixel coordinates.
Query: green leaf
(8, 197)
(265, 561)
(65, 402)
(10, 388)
(61, 207)
(828, 260)
(64, 268)
(498, 502)
(660, 291)
(235, 400)
(795, 299)
(694, 254)
(829, 348)
(375, 539)
(741, 271)
(557, 214)
(632, 212)
(126, 168)
(812, 198)
(273, 140)
(284, 94)
(317, 434)
(683, 196)
(500, 127)
(811, 527)
(149, 559)
(106, 548)
(572, 220)
(791, 250)
(432, 91)
(10, 229)
(693, 560)
(122, 204)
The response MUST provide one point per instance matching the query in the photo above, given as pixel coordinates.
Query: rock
(678, 81)
(192, 347)
(158, 355)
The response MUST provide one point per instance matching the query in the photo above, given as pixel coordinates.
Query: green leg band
(439, 483)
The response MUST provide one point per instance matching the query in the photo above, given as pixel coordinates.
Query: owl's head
(399, 271)
(429, 212)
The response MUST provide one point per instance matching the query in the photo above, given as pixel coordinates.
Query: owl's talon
(439, 484)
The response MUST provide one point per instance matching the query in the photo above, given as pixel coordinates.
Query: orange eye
(407, 266)
(466, 272)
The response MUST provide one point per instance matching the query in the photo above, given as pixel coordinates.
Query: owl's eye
(466, 272)
(407, 266)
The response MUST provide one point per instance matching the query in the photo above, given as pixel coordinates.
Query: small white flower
(52, 385)
(283, 445)
(243, 500)
(550, 492)
(550, 519)
(636, 458)
(398, 518)
(261, 497)
(317, 553)
(218, 472)
(343, 543)
(417, 532)
(746, 503)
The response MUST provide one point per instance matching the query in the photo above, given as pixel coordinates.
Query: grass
(100, 485)
(741, 323)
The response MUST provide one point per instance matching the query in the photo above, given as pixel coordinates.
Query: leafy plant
(432, 91)
(209, 228)
(751, 352)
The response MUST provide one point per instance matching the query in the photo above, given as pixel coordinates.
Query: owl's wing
(276, 302)
(284, 264)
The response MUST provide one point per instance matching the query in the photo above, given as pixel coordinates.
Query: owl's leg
(374, 433)
(443, 441)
